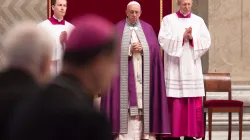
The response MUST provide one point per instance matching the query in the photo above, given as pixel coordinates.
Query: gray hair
(26, 47)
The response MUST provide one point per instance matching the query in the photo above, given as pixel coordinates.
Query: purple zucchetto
(90, 31)
(92, 36)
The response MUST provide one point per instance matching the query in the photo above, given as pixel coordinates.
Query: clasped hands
(188, 34)
(63, 37)
(136, 47)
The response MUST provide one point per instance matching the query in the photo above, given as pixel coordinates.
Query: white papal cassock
(182, 60)
(55, 27)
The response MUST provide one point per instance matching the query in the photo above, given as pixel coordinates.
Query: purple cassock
(122, 98)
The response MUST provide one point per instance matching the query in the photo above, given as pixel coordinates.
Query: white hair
(179, 1)
(134, 3)
(25, 46)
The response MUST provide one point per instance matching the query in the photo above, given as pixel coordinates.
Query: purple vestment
(110, 104)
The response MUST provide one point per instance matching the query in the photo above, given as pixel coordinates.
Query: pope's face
(133, 13)
(60, 8)
(185, 6)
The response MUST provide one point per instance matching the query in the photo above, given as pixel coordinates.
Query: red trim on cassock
(191, 43)
(180, 15)
(56, 22)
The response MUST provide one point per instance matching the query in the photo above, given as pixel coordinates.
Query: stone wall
(229, 27)
(13, 11)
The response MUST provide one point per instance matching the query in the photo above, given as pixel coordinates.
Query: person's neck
(184, 13)
(32, 71)
(130, 24)
(58, 18)
(87, 83)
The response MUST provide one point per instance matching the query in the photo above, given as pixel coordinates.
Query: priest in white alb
(184, 38)
(59, 30)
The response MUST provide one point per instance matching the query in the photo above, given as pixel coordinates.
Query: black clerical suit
(16, 86)
(63, 111)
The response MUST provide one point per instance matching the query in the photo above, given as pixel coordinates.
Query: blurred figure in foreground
(64, 111)
(27, 52)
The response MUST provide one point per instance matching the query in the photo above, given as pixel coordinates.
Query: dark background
(114, 10)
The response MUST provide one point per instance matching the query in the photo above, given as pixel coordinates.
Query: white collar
(133, 28)
(57, 18)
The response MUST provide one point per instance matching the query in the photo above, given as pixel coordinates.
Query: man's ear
(45, 64)
(53, 7)
(140, 12)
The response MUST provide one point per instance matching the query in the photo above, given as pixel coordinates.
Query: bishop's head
(91, 51)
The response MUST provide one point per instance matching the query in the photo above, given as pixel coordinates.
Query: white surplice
(182, 63)
(54, 32)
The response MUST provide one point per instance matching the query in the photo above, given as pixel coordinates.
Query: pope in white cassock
(136, 103)
(59, 30)
(184, 38)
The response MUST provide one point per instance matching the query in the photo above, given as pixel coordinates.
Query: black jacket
(15, 87)
(63, 111)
